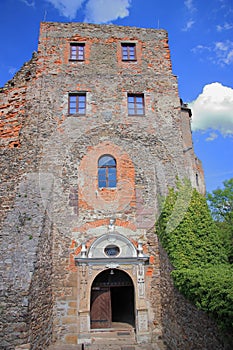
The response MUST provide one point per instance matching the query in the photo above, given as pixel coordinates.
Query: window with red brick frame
(107, 171)
(77, 103)
(128, 51)
(77, 51)
(136, 104)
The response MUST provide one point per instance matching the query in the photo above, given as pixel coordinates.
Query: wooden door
(101, 313)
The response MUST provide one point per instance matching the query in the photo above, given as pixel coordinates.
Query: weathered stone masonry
(55, 219)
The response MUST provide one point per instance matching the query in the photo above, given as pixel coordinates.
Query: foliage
(196, 250)
(221, 205)
(221, 202)
(210, 289)
(226, 234)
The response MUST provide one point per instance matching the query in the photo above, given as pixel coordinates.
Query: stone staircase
(120, 333)
(119, 337)
(107, 346)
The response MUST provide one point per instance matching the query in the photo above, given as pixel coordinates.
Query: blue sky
(201, 43)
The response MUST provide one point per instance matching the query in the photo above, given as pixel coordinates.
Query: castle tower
(94, 133)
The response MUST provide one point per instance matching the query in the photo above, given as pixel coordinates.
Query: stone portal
(111, 286)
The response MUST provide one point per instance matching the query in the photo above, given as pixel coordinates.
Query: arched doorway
(112, 299)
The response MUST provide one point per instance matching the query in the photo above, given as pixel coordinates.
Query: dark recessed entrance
(112, 299)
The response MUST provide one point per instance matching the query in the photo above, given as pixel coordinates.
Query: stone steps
(124, 346)
(120, 337)
(109, 346)
(116, 335)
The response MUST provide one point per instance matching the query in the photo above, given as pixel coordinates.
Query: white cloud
(224, 52)
(67, 8)
(104, 11)
(28, 3)
(190, 6)
(191, 9)
(189, 25)
(212, 136)
(225, 26)
(97, 11)
(213, 109)
(220, 53)
(200, 48)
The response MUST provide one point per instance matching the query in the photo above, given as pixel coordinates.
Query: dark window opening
(107, 172)
(112, 250)
(136, 104)
(128, 52)
(77, 104)
(77, 52)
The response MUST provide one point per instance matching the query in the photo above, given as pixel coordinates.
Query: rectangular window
(128, 52)
(136, 104)
(77, 52)
(77, 103)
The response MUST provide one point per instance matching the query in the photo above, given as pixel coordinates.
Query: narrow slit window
(106, 172)
(77, 52)
(77, 104)
(128, 52)
(136, 104)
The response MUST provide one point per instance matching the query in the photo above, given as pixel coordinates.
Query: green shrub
(196, 250)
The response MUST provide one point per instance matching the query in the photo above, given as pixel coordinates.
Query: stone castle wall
(51, 202)
(186, 327)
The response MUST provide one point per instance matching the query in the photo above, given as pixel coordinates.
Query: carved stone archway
(111, 253)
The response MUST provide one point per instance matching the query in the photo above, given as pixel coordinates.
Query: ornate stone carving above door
(110, 245)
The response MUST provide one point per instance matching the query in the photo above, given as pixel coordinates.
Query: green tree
(221, 205)
(196, 250)
(221, 202)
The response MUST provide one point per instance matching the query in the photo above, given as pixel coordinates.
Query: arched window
(107, 171)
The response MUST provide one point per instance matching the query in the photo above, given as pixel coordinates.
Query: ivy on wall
(202, 272)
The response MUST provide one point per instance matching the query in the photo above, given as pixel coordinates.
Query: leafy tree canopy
(221, 202)
(221, 205)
